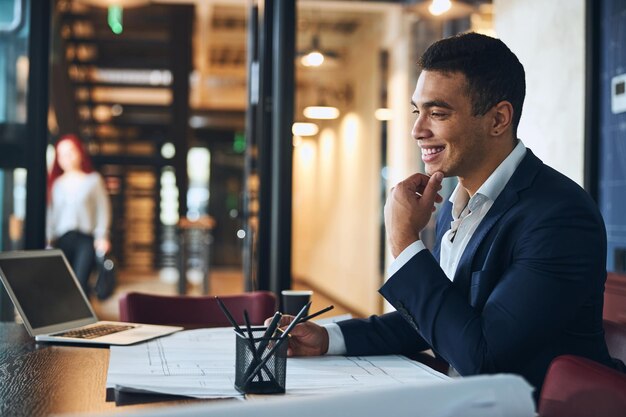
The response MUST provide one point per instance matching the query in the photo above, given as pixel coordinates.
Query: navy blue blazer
(529, 286)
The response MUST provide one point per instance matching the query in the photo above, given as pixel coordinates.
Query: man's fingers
(422, 186)
(304, 330)
(430, 191)
(299, 331)
(286, 319)
(414, 184)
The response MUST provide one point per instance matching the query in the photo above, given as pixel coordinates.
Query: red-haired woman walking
(79, 210)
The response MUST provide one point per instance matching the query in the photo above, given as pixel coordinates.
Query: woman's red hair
(85, 161)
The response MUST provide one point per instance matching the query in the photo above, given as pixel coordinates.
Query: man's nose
(421, 129)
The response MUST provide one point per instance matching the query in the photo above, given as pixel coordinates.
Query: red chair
(579, 387)
(194, 312)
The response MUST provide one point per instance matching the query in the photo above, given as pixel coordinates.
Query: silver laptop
(54, 307)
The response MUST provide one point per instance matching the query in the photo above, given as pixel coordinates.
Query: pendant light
(443, 9)
(321, 110)
(314, 55)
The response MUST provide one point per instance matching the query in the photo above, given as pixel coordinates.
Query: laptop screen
(46, 289)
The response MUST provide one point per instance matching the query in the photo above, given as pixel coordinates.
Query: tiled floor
(222, 282)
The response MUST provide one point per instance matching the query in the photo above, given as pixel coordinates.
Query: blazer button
(409, 318)
(405, 314)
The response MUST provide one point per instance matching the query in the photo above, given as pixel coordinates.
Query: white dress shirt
(467, 213)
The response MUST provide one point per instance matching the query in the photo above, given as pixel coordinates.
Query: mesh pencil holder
(268, 378)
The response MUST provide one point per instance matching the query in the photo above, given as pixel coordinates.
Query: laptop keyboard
(95, 331)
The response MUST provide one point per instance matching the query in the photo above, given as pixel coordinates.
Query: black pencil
(280, 341)
(248, 326)
(228, 315)
(312, 316)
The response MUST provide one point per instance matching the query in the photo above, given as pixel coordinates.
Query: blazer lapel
(521, 179)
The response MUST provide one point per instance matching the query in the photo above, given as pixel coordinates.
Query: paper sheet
(478, 396)
(201, 363)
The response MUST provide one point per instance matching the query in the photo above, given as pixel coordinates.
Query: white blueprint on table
(201, 363)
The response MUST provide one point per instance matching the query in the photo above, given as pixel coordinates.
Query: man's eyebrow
(434, 103)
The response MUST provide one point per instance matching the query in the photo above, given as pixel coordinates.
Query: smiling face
(451, 138)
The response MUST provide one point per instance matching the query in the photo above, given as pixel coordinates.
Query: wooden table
(39, 379)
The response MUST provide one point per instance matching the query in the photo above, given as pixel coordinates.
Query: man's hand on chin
(409, 207)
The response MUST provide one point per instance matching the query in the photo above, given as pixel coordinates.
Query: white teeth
(432, 151)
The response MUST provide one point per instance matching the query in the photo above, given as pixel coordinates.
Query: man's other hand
(409, 207)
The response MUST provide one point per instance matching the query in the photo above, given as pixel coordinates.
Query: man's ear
(502, 117)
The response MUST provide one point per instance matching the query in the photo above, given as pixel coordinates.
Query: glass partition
(14, 31)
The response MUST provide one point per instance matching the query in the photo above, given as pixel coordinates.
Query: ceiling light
(168, 150)
(442, 9)
(383, 114)
(102, 113)
(304, 129)
(321, 112)
(439, 7)
(314, 55)
(312, 59)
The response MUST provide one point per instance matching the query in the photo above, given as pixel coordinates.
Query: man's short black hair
(493, 72)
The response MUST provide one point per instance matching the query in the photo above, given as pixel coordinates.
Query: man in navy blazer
(517, 274)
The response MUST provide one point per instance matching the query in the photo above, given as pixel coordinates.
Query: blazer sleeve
(381, 335)
(557, 262)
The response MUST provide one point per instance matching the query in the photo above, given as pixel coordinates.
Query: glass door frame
(24, 145)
